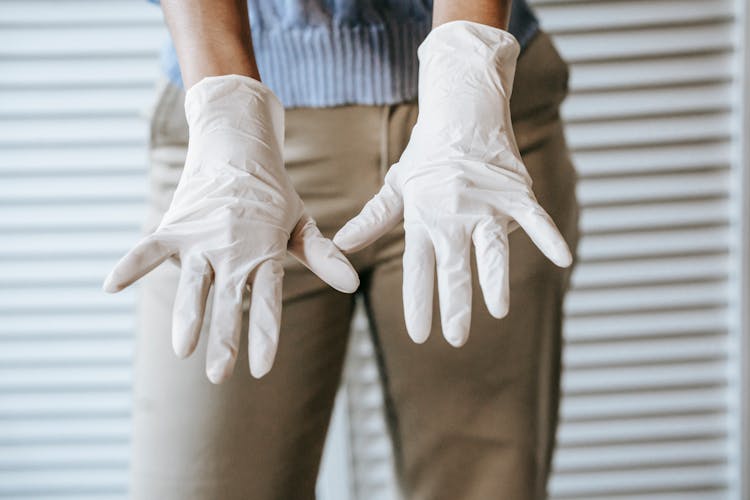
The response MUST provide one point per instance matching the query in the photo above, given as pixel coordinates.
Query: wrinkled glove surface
(233, 217)
(460, 182)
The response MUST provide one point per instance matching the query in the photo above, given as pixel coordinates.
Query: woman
(238, 185)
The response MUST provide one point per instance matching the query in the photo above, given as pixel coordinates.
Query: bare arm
(212, 38)
(491, 12)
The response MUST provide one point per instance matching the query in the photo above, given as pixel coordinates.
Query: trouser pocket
(168, 142)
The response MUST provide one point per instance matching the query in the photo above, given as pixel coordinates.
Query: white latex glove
(233, 217)
(460, 180)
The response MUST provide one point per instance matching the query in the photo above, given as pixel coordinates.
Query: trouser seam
(385, 153)
(389, 407)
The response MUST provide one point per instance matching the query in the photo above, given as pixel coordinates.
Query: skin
(495, 13)
(212, 37)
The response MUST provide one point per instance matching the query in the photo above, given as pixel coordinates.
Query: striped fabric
(321, 53)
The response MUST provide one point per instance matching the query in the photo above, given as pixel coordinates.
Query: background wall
(75, 77)
(651, 406)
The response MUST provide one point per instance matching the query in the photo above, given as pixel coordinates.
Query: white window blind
(75, 77)
(648, 410)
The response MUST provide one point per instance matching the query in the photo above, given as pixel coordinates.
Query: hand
(234, 215)
(460, 180)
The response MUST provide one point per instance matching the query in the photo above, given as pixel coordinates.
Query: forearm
(211, 37)
(494, 13)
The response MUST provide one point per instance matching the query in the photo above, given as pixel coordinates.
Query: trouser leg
(247, 438)
(479, 422)
(475, 422)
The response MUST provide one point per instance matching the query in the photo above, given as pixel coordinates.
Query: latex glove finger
(146, 255)
(190, 304)
(491, 248)
(321, 256)
(265, 316)
(419, 282)
(452, 254)
(377, 217)
(224, 334)
(543, 232)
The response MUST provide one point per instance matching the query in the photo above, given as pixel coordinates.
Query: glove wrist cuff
(475, 51)
(234, 102)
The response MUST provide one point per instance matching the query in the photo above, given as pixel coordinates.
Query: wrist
(492, 13)
(219, 57)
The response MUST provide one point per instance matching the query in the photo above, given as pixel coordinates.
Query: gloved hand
(233, 217)
(460, 180)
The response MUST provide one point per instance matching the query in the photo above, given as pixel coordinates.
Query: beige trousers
(471, 423)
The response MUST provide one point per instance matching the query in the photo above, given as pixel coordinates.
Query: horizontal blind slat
(646, 42)
(79, 12)
(600, 16)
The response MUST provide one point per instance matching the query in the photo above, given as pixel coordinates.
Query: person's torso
(320, 53)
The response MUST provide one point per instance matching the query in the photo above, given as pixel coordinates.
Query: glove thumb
(378, 216)
(321, 256)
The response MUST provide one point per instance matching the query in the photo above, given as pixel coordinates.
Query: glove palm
(233, 217)
(460, 181)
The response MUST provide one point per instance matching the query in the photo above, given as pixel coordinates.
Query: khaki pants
(471, 423)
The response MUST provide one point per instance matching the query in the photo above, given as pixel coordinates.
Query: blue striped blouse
(319, 53)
